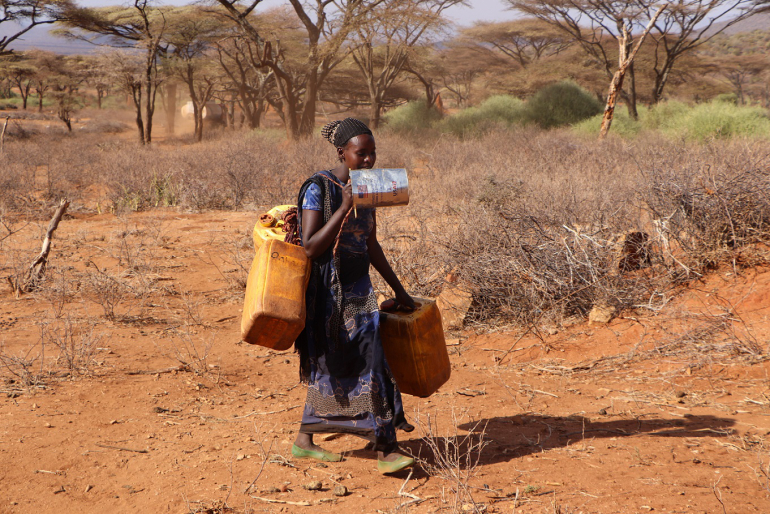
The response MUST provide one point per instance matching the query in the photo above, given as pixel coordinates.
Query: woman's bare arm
(317, 237)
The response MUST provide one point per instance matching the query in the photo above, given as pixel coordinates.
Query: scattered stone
(285, 488)
(340, 490)
(314, 486)
(34, 406)
(240, 456)
(114, 422)
(89, 487)
(321, 465)
(270, 490)
(552, 331)
(48, 425)
(601, 313)
(681, 394)
(159, 410)
(603, 412)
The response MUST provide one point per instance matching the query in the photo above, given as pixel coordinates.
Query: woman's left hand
(406, 301)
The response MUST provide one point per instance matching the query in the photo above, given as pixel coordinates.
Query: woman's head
(354, 142)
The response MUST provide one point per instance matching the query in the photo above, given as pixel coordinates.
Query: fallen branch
(2, 134)
(159, 371)
(121, 448)
(283, 502)
(36, 270)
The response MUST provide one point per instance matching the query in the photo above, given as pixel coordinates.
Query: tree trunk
(148, 110)
(136, 94)
(626, 60)
(199, 125)
(374, 114)
(609, 109)
(170, 108)
(39, 101)
(631, 104)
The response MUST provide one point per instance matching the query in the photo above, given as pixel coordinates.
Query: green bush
(411, 117)
(720, 120)
(562, 103)
(729, 98)
(664, 115)
(622, 124)
(491, 113)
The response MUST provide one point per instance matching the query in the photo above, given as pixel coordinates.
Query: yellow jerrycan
(415, 348)
(274, 308)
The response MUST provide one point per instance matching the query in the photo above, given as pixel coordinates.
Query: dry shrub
(530, 220)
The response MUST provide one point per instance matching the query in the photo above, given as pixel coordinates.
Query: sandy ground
(124, 388)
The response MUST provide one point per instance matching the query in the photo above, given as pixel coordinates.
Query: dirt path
(143, 400)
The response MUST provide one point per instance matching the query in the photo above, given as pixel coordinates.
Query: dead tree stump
(29, 280)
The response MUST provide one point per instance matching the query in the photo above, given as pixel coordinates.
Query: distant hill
(39, 37)
(760, 21)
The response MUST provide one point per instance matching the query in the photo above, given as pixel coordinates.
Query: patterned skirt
(350, 386)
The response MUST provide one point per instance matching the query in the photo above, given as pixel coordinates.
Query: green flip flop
(323, 455)
(400, 463)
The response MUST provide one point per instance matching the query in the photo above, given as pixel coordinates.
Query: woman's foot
(303, 448)
(392, 462)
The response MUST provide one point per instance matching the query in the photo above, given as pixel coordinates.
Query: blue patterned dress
(350, 386)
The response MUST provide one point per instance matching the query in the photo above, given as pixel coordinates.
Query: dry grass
(531, 221)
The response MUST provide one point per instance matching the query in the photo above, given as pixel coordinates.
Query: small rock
(273, 490)
(114, 422)
(314, 486)
(681, 394)
(159, 410)
(603, 412)
(321, 465)
(240, 456)
(601, 313)
(284, 488)
(34, 406)
(48, 425)
(340, 490)
(89, 487)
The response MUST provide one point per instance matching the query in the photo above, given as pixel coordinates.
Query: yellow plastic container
(262, 233)
(274, 308)
(415, 348)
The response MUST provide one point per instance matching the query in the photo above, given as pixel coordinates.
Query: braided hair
(339, 132)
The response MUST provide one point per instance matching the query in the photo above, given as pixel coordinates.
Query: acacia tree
(21, 73)
(384, 38)
(190, 36)
(425, 65)
(139, 27)
(523, 41)
(685, 26)
(47, 65)
(246, 85)
(598, 26)
(23, 15)
(327, 25)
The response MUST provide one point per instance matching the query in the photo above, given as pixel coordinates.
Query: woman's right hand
(347, 196)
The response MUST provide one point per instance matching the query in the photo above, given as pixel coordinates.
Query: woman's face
(359, 153)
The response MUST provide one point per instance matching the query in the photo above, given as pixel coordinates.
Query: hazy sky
(489, 10)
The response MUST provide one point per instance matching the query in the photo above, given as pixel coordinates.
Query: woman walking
(350, 386)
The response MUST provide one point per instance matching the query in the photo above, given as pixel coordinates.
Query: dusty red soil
(663, 411)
